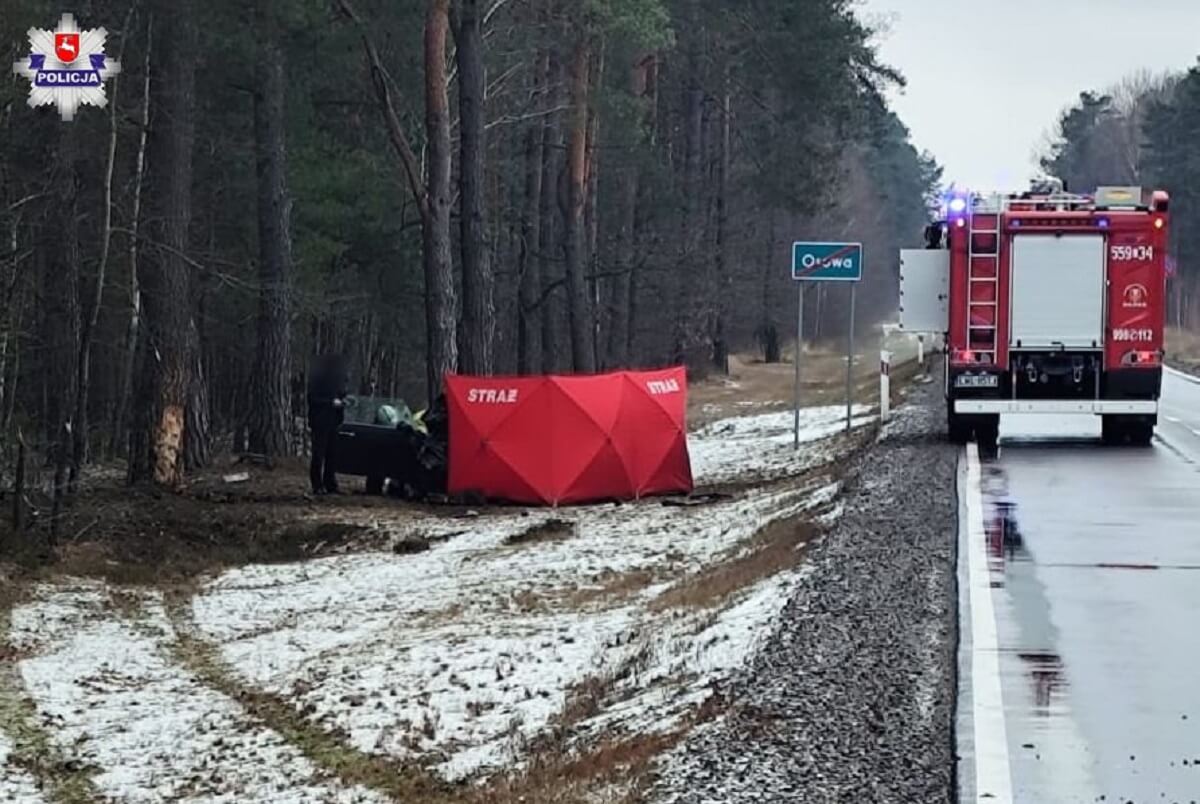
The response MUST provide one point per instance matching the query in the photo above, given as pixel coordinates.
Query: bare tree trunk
(768, 333)
(582, 352)
(270, 420)
(529, 342)
(8, 312)
(591, 211)
(167, 290)
(63, 319)
(91, 316)
(551, 268)
(441, 324)
(14, 363)
(18, 503)
(197, 433)
(685, 297)
(620, 338)
(479, 312)
(133, 329)
(724, 282)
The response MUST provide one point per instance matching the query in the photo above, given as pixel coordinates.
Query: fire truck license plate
(976, 381)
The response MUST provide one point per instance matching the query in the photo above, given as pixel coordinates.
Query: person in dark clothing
(326, 404)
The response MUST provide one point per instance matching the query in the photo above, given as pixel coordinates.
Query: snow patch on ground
(465, 651)
(462, 653)
(692, 657)
(117, 701)
(762, 445)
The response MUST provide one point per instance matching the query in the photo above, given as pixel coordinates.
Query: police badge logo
(67, 67)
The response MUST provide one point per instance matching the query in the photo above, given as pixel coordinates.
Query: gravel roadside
(851, 699)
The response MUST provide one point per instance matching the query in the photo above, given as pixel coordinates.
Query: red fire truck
(1049, 303)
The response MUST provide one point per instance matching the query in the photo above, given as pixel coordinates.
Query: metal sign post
(796, 360)
(826, 262)
(850, 365)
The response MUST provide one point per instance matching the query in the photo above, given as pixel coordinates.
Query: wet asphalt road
(1091, 564)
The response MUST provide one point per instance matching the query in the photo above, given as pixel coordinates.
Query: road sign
(827, 262)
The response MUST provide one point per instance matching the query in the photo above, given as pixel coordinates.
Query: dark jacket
(326, 383)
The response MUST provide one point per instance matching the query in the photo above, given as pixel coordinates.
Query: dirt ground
(142, 535)
(762, 387)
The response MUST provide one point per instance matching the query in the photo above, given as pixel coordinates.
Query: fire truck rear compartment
(1058, 284)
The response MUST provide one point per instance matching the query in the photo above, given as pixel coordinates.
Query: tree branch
(381, 81)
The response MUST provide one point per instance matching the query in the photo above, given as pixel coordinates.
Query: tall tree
(529, 340)
(550, 262)
(60, 290)
(479, 312)
(270, 425)
(724, 282)
(91, 312)
(578, 306)
(432, 194)
(133, 326)
(170, 356)
(439, 278)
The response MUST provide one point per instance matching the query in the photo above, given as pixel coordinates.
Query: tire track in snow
(328, 748)
(29, 761)
(152, 731)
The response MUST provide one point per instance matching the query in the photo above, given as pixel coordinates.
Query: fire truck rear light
(958, 205)
(962, 356)
(961, 223)
(1159, 223)
(1141, 359)
(1102, 223)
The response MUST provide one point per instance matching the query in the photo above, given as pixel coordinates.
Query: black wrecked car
(383, 441)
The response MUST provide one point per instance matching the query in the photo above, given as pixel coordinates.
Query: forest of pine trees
(486, 186)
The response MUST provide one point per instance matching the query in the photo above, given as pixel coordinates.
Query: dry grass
(559, 769)
(552, 530)
(612, 588)
(614, 771)
(756, 387)
(608, 588)
(1183, 349)
(775, 548)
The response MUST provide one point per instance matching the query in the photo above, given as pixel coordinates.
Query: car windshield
(381, 410)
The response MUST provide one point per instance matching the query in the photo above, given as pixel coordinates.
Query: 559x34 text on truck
(1049, 302)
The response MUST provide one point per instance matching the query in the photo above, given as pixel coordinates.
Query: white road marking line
(1181, 375)
(993, 774)
(1171, 419)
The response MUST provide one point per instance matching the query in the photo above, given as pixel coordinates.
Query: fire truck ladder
(984, 282)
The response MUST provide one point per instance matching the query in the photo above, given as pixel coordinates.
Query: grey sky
(986, 81)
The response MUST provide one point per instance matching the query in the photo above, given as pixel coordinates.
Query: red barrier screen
(563, 439)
